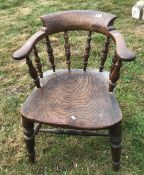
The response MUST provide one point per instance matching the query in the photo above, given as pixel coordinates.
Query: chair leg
(29, 137)
(116, 143)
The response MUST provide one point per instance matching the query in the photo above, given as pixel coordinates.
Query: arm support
(25, 50)
(122, 51)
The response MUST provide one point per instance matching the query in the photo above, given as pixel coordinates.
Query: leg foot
(116, 143)
(29, 137)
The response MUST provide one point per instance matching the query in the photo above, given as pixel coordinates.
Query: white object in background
(138, 10)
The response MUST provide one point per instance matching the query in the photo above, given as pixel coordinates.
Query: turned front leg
(116, 143)
(29, 137)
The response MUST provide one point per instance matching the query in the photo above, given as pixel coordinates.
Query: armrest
(121, 49)
(25, 50)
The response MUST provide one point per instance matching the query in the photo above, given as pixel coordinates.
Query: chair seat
(75, 99)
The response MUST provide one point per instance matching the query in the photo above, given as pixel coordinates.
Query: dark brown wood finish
(122, 52)
(67, 49)
(116, 144)
(77, 101)
(26, 49)
(74, 132)
(114, 60)
(87, 51)
(33, 72)
(29, 137)
(115, 74)
(89, 20)
(104, 54)
(38, 62)
(50, 53)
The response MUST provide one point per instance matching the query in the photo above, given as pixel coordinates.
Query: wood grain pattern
(88, 20)
(38, 62)
(87, 51)
(33, 72)
(74, 99)
(50, 53)
(78, 100)
(104, 54)
(67, 49)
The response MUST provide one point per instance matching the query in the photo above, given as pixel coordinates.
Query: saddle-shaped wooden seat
(74, 99)
(78, 102)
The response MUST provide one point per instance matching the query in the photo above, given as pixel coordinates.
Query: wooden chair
(77, 102)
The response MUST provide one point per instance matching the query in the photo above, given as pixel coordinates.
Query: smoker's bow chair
(77, 102)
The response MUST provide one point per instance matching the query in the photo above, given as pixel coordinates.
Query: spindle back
(88, 20)
(67, 49)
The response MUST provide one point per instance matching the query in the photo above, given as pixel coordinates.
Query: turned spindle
(114, 76)
(67, 49)
(38, 62)
(104, 54)
(114, 60)
(50, 53)
(87, 51)
(33, 72)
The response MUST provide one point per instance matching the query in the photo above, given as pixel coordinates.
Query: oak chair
(76, 102)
